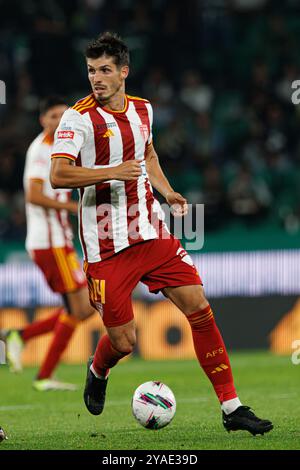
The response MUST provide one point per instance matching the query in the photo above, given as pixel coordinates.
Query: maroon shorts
(61, 268)
(157, 263)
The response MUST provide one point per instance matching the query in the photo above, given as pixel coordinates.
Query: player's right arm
(71, 135)
(64, 174)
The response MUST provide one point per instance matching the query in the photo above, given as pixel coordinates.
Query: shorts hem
(119, 323)
(68, 291)
(175, 284)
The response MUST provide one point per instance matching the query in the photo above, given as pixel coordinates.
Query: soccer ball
(2, 435)
(153, 405)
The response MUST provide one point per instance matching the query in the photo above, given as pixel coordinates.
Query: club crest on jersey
(144, 132)
(65, 135)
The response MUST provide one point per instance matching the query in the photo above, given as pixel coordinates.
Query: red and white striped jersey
(116, 214)
(46, 228)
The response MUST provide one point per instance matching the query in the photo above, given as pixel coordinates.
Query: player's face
(50, 119)
(106, 78)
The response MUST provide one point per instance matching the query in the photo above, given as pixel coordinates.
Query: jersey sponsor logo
(65, 135)
(144, 132)
(41, 162)
(103, 127)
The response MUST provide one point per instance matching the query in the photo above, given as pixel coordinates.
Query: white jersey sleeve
(70, 135)
(150, 114)
(37, 159)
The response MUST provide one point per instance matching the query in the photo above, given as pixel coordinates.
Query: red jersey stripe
(141, 109)
(103, 196)
(130, 186)
(81, 192)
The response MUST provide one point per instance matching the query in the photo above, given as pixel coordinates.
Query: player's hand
(178, 204)
(127, 171)
(72, 207)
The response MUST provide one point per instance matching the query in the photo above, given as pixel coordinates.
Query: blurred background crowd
(218, 74)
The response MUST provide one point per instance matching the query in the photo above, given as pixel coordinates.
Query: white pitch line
(125, 402)
(18, 407)
(286, 395)
(109, 403)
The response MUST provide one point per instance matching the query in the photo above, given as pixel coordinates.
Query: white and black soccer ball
(153, 405)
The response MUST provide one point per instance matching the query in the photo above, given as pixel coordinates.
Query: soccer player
(49, 243)
(104, 146)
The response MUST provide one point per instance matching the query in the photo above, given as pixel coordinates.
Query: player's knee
(124, 346)
(123, 338)
(196, 303)
(195, 307)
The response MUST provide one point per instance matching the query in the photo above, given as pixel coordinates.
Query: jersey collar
(116, 112)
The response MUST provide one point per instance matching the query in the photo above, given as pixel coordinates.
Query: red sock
(41, 327)
(106, 356)
(63, 331)
(211, 353)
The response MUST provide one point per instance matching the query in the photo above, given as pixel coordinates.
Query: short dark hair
(51, 101)
(109, 44)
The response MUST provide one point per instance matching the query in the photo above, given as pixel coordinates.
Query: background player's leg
(40, 327)
(63, 331)
(78, 308)
(16, 339)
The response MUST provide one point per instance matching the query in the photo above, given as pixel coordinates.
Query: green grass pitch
(59, 420)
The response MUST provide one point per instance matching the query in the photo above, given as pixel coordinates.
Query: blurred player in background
(49, 243)
(109, 136)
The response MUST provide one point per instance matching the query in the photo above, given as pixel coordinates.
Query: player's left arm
(159, 181)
